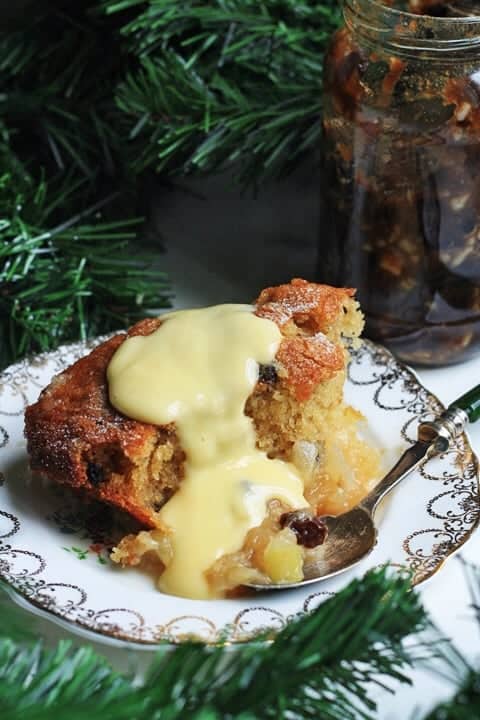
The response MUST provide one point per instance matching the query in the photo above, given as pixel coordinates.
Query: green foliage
(322, 665)
(97, 93)
(61, 282)
(66, 191)
(58, 72)
(318, 667)
(35, 681)
(222, 82)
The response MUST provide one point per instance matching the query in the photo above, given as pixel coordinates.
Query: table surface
(230, 275)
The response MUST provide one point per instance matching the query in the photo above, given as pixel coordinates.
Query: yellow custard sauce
(198, 370)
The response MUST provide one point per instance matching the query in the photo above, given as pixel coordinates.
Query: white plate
(46, 552)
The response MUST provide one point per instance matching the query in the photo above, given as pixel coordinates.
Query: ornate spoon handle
(434, 437)
(469, 403)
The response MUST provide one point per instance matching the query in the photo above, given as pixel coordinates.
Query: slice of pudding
(211, 427)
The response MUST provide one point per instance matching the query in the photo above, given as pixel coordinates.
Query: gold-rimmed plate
(53, 549)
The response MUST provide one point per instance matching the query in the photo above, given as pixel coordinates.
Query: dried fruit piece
(95, 474)
(267, 374)
(310, 530)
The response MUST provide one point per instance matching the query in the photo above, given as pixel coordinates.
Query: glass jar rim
(408, 32)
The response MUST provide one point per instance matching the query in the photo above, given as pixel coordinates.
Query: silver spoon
(352, 536)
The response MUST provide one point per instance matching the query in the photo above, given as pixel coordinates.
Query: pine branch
(66, 192)
(35, 681)
(225, 82)
(58, 77)
(95, 93)
(318, 667)
(64, 277)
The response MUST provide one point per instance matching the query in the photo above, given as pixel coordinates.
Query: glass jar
(402, 174)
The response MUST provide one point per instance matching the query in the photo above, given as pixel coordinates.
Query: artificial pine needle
(307, 672)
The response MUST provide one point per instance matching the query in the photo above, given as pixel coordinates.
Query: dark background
(224, 244)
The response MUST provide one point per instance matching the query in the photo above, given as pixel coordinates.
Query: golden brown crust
(312, 306)
(76, 437)
(309, 361)
(305, 313)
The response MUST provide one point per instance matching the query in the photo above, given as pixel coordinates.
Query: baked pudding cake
(222, 430)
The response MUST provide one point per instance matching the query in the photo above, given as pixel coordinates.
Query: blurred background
(224, 243)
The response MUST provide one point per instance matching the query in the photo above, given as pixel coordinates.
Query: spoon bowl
(350, 537)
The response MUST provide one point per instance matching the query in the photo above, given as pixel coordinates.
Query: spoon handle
(433, 437)
(469, 403)
(411, 458)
